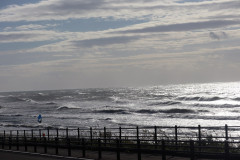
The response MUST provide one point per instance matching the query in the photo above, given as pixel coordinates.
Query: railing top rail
(230, 128)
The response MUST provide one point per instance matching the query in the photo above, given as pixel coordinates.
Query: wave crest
(109, 111)
(198, 98)
(169, 103)
(176, 110)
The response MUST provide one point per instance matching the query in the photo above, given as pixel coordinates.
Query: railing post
(137, 132)
(199, 137)
(48, 133)
(118, 149)
(176, 135)
(99, 149)
(78, 134)
(120, 133)
(24, 133)
(3, 141)
(56, 145)
(57, 132)
(10, 143)
(91, 135)
(105, 136)
(226, 131)
(45, 144)
(155, 134)
(226, 148)
(83, 148)
(25, 143)
(69, 146)
(192, 150)
(17, 141)
(40, 134)
(35, 144)
(4, 137)
(66, 132)
(163, 150)
(32, 133)
(139, 149)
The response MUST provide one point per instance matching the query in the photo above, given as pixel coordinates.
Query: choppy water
(212, 104)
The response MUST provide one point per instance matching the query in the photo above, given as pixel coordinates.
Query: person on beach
(39, 118)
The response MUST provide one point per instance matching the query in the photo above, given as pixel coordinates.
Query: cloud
(82, 9)
(57, 10)
(227, 5)
(34, 27)
(187, 1)
(184, 26)
(105, 41)
(32, 36)
(15, 37)
(29, 27)
(218, 36)
(7, 29)
(76, 5)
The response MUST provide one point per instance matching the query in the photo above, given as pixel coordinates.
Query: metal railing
(203, 142)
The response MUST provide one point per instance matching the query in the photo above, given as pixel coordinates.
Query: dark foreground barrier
(190, 142)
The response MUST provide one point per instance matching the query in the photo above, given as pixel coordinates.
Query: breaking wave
(189, 98)
(216, 105)
(30, 126)
(18, 99)
(118, 100)
(217, 117)
(66, 108)
(147, 111)
(174, 110)
(50, 103)
(109, 111)
(236, 99)
(14, 99)
(42, 94)
(198, 98)
(11, 115)
(210, 98)
(29, 100)
(164, 103)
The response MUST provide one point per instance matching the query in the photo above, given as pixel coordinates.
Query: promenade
(18, 155)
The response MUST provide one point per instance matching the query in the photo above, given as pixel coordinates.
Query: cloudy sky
(56, 44)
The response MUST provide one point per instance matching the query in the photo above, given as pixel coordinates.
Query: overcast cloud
(110, 43)
(185, 26)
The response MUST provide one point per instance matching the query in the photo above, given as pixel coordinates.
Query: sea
(206, 104)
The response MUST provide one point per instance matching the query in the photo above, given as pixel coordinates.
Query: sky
(70, 44)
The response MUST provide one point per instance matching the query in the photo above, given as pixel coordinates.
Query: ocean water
(210, 104)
